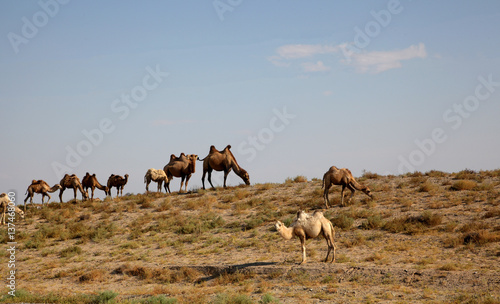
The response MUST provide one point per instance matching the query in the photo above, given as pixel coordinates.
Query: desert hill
(425, 237)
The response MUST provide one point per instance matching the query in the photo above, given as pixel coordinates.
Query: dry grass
(151, 245)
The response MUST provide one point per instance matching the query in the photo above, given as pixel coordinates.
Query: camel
(157, 176)
(90, 181)
(72, 181)
(40, 187)
(222, 161)
(307, 226)
(183, 166)
(343, 177)
(118, 182)
(4, 207)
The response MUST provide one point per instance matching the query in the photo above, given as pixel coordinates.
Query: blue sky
(294, 86)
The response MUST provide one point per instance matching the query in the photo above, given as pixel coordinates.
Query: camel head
(279, 225)
(20, 212)
(244, 175)
(368, 192)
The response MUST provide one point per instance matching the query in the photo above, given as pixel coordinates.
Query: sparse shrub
(463, 185)
(481, 237)
(493, 212)
(104, 297)
(343, 221)
(297, 179)
(372, 222)
(436, 173)
(267, 298)
(94, 275)
(428, 186)
(370, 175)
(160, 299)
(466, 174)
(70, 252)
(165, 205)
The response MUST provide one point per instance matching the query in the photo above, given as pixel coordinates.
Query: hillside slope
(431, 237)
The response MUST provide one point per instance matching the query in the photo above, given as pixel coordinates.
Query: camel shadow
(216, 271)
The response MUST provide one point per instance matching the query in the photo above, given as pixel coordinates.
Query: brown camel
(5, 207)
(307, 226)
(40, 187)
(343, 177)
(157, 176)
(72, 181)
(90, 181)
(182, 166)
(222, 161)
(118, 182)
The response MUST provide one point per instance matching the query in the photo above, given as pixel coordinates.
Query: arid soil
(425, 238)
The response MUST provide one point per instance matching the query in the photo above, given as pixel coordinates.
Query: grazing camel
(4, 207)
(343, 177)
(40, 187)
(222, 161)
(157, 176)
(90, 181)
(307, 226)
(182, 166)
(72, 181)
(118, 182)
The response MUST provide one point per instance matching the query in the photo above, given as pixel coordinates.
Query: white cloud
(365, 62)
(318, 66)
(376, 62)
(294, 51)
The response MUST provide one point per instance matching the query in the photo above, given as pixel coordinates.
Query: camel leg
(187, 180)
(342, 196)
(203, 179)
(74, 191)
(210, 178)
(352, 193)
(147, 186)
(182, 183)
(303, 247)
(225, 177)
(325, 196)
(60, 194)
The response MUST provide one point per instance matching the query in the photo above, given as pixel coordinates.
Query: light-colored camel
(118, 182)
(72, 181)
(183, 166)
(90, 181)
(307, 226)
(40, 187)
(343, 177)
(222, 161)
(4, 208)
(158, 176)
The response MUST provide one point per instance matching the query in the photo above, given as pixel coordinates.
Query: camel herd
(304, 226)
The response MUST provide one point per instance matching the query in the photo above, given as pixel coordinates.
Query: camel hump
(228, 147)
(213, 149)
(93, 175)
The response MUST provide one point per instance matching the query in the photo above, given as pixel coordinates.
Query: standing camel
(157, 176)
(307, 226)
(118, 182)
(90, 181)
(182, 166)
(72, 181)
(343, 177)
(40, 187)
(222, 161)
(4, 207)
